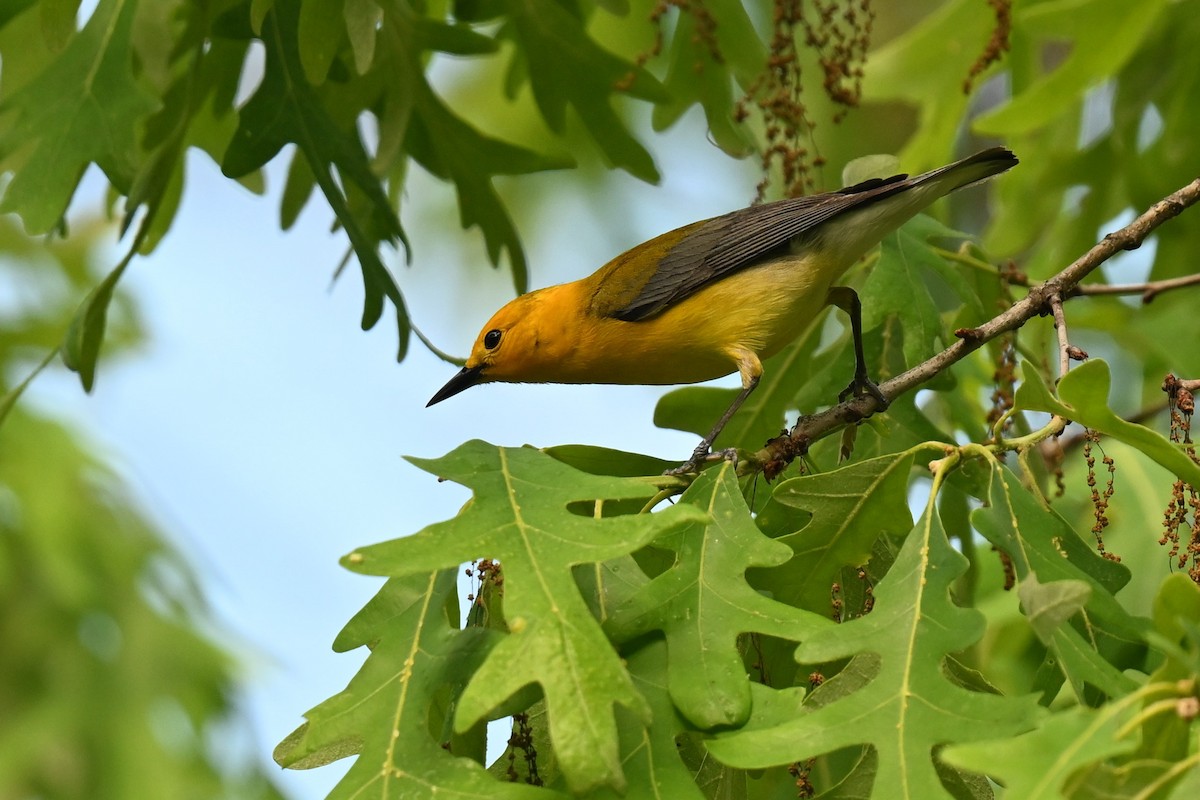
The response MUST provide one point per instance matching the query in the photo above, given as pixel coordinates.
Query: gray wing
(730, 242)
(737, 240)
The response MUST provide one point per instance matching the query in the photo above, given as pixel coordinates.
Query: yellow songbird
(711, 297)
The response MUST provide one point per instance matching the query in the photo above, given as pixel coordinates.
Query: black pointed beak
(464, 379)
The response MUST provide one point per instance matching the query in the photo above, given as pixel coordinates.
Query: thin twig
(1060, 326)
(1148, 290)
(781, 450)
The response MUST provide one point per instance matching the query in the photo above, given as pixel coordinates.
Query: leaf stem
(10, 398)
(1168, 704)
(1178, 768)
(964, 258)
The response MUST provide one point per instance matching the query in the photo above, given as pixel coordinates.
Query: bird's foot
(702, 456)
(862, 385)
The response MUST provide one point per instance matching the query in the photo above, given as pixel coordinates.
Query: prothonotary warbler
(711, 297)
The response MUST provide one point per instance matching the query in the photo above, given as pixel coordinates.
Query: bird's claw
(862, 385)
(701, 456)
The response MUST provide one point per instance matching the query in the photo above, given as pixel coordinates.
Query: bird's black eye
(491, 339)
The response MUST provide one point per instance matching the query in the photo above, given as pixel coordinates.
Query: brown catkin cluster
(705, 32)
(1185, 500)
(488, 572)
(522, 741)
(801, 772)
(1004, 381)
(868, 591)
(1010, 571)
(1091, 440)
(840, 35)
(1004, 378)
(838, 601)
(838, 32)
(997, 45)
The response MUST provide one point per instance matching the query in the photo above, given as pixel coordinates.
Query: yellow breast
(760, 309)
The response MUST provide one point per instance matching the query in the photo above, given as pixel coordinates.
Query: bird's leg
(751, 370)
(702, 452)
(847, 300)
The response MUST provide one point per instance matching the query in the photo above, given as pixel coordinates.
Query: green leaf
(453, 150)
(924, 67)
(285, 109)
(58, 21)
(565, 67)
(605, 461)
(520, 515)
(388, 713)
(703, 603)
(1102, 40)
(1176, 614)
(897, 286)
(297, 189)
(320, 32)
(1165, 737)
(258, 13)
(1042, 544)
(81, 346)
(1049, 605)
(362, 26)
(904, 705)
(702, 71)
(12, 9)
(850, 509)
(1083, 397)
(441, 141)
(83, 108)
(206, 75)
(651, 755)
(395, 597)
(1038, 764)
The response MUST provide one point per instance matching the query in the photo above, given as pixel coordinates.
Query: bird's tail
(888, 203)
(971, 169)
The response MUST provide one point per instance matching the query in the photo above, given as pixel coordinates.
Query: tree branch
(1148, 290)
(1060, 326)
(782, 450)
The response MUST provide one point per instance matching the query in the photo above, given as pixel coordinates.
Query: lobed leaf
(1083, 397)
(907, 260)
(384, 715)
(521, 515)
(703, 68)
(1102, 41)
(850, 509)
(703, 603)
(286, 109)
(443, 143)
(902, 704)
(565, 67)
(1042, 545)
(83, 108)
(1037, 765)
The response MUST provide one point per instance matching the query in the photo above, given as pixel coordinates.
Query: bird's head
(519, 343)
